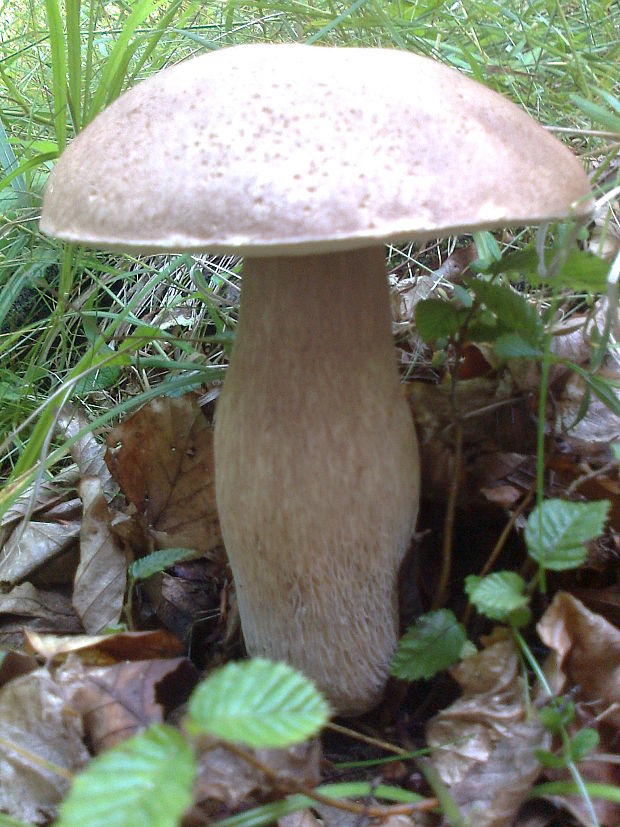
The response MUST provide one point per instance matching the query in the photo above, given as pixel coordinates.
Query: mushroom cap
(289, 149)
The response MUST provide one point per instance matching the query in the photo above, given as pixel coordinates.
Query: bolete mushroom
(306, 161)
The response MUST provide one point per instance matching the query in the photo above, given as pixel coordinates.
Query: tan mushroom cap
(291, 149)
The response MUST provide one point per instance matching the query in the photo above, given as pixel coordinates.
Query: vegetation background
(110, 332)
(74, 323)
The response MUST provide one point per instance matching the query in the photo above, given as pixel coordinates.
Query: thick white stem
(317, 470)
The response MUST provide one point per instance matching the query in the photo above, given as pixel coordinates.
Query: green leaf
(433, 643)
(258, 703)
(548, 759)
(436, 319)
(557, 715)
(497, 595)
(153, 563)
(514, 346)
(512, 309)
(555, 534)
(144, 780)
(580, 271)
(7, 821)
(583, 742)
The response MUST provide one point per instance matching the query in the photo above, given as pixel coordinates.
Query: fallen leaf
(587, 649)
(87, 453)
(101, 576)
(41, 747)
(105, 649)
(227, 779)
(27, 607)
(162, 458)
(483, 744)
(31, 546)
(14, 664)
(117, 701)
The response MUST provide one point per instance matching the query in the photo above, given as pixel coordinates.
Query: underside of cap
(284, 149)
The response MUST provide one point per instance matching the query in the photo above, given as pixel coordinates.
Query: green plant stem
(571, 766)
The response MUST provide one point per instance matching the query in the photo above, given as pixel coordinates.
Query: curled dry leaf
(105, 649)
(32, 545)
(43, 497)
(41, 747)
(27, 607)
(162, 458)
(101, 576)
(587, 649)
(598, 428)
(483, 744)
(117, 701)
(87, 453)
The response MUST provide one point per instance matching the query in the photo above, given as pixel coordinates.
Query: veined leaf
(556, 532)
(433, 643)
(497, 595)
(132, 783)
(258, 703)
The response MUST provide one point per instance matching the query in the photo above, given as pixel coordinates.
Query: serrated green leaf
(433, 643)
(512, 310)
(132, 784)
(436, 319)
(153, 563)
(583, 742)
(258, 703)
(497, 595)
(555, 535)
(514, 346)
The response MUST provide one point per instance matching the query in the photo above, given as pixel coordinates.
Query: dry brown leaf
(101, 650)
(87, 453)
(483, 744)
(45, 496)
(227, 779)
(27, 607)
(587, 649)
(101, 576)
(162, 457)
(117, 701)
(15, 664)
(597, 429)
(194, 592)
(37, 731)
(34, 544)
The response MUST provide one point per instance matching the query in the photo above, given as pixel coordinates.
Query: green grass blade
(74, 60)
(59, 71)
(25, 166)
(115, 68)
(9, 164)
(161, 29)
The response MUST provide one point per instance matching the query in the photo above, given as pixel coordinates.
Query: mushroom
(306, 161)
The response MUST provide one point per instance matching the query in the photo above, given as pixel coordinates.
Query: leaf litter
(64, 561)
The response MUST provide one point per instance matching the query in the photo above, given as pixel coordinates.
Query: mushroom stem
(317, 470)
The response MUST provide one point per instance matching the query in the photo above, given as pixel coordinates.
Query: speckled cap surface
(283, 149)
